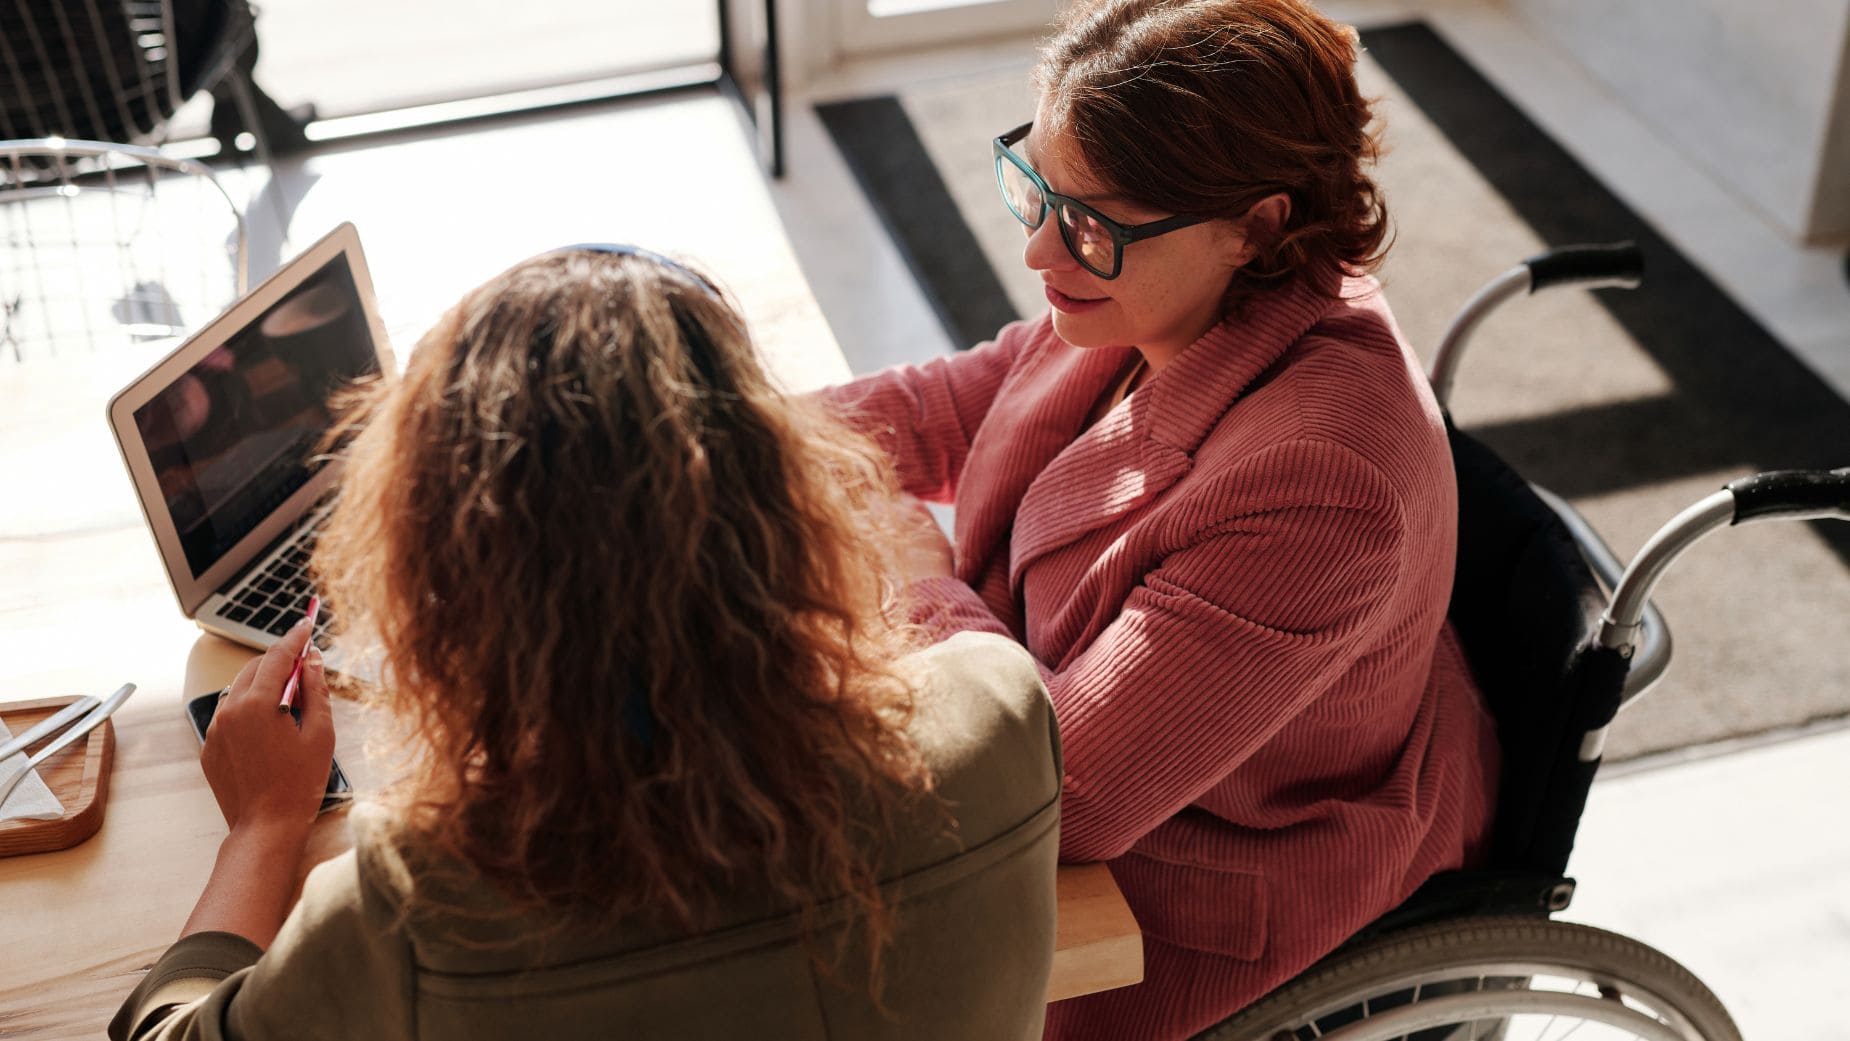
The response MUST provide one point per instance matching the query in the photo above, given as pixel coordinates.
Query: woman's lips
(1073, 304)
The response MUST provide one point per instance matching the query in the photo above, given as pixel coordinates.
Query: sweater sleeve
(925, 416)
(1218, 646)
(183, 995)
(337, 969)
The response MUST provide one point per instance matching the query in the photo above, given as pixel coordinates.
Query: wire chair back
(112, 70)
(104, 245)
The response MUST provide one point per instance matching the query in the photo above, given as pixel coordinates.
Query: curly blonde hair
(632, 603)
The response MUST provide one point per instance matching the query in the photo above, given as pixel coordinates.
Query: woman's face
(1169, 290)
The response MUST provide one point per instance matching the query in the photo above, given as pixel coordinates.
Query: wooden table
(84, 607)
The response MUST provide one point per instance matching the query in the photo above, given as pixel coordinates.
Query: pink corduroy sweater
(1235, 583)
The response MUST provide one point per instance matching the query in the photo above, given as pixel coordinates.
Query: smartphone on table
(199, 713)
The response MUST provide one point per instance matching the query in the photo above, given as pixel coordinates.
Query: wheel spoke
(1503, 980)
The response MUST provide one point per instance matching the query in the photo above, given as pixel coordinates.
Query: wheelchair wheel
(1520, 979)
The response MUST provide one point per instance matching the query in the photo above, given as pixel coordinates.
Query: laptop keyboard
(274, 597)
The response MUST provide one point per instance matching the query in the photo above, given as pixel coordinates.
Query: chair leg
(238, 105)
(8, 308)
(246, 96)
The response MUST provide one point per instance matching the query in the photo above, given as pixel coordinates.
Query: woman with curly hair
(1210, 491)
(671, 764)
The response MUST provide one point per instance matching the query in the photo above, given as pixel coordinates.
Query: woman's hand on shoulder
(267, 769)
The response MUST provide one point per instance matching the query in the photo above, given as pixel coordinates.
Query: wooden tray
(78, 776)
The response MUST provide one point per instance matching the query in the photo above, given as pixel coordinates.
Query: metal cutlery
(82, 727)
(47, 726)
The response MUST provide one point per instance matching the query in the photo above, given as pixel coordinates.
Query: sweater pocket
(1198, 906)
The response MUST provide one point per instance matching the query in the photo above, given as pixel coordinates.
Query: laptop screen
(236, 435)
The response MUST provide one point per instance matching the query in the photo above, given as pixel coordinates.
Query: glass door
(865, 26)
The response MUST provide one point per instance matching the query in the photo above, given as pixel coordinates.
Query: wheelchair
(1559, 635)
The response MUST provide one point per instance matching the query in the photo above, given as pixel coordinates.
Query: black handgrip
(1609, 262)
(1797, 492)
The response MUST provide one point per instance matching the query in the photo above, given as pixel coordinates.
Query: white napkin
(31, 800)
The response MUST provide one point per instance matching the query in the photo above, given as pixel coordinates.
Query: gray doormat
(1631, 404)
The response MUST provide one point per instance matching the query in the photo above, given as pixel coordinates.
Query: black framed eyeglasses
(1095, 240)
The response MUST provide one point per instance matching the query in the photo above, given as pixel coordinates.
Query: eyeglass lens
(1021, 193)
(1091, 244)
(1088, 240)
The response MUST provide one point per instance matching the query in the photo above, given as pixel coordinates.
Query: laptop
(221, 439)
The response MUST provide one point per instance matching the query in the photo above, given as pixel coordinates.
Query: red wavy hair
(1205, 107)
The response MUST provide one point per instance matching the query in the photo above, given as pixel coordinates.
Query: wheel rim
(1507, 1000)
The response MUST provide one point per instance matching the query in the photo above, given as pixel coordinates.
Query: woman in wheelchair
(1211, 492)
(671, 764)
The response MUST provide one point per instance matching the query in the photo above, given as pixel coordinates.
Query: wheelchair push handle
(1612, 264)
(1773, 495)
(1618, 264)
(1792, 494)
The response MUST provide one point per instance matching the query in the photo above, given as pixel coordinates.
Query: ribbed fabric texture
(1235, 583)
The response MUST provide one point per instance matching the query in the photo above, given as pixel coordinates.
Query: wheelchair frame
(1473, 953)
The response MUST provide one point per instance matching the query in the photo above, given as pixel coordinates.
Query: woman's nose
(1046, 250)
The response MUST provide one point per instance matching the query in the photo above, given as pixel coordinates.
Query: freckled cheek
(1147, 298)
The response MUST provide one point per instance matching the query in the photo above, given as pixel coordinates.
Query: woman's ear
(1262, 223)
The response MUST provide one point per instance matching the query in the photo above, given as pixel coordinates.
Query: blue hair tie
(624, 249)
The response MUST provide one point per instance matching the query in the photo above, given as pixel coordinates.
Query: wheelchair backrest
(1524, 605)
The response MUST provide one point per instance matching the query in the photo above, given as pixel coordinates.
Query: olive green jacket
(974, 906)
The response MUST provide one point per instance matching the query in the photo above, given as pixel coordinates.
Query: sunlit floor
(412, 54)
(1736, 865)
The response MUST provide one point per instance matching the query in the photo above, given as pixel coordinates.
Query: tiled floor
(1736, 864)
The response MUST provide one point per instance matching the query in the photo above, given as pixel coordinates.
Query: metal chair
(116, 70)
(104, 245)
(103, 238)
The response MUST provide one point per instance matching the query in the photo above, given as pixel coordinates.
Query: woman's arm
(339, 968)
(252, 880)
(268, 771)
(926, 415)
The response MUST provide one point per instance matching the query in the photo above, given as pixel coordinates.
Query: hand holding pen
(270, 768)
(268, 771)
(295, 674)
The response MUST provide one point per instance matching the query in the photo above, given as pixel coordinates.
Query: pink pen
(295, 674)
